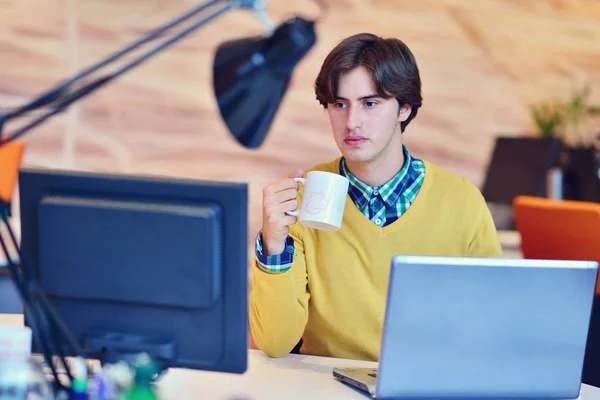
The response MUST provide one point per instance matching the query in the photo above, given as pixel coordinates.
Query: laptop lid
(469, 327)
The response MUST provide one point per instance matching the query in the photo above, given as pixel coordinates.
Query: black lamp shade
(250, 77)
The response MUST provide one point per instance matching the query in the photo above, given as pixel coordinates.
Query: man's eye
(370, 104)
(339, 105)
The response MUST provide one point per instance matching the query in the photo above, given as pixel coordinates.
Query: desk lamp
(250, 77)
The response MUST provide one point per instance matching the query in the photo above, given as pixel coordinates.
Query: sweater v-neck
(356, 215)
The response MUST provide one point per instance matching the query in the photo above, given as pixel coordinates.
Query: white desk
(288, 378)
(294, 377)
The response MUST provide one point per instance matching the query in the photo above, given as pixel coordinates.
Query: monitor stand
(114, 347)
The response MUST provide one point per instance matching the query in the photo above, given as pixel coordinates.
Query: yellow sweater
(334, 295)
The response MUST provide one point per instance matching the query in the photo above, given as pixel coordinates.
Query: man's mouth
(355, 141)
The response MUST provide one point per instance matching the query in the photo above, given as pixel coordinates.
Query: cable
(27, 304)
(51, 322)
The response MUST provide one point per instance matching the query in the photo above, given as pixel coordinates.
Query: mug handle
(297, 211)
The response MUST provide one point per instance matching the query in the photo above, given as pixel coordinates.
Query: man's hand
(278, 198)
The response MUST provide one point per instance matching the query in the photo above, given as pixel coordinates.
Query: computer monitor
(580, 179)
(519, 166)
(142, 264)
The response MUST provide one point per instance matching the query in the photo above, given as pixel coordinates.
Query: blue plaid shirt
(382, 205)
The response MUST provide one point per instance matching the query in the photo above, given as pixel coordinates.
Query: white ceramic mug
(324, 200)
(15, 342)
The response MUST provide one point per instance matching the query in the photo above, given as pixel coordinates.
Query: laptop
(481, 328)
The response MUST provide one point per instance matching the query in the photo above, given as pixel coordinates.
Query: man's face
(366, 127)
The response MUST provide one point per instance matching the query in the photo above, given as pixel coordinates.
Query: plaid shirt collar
(390, 192)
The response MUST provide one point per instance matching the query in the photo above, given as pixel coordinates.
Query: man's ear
(404, 112)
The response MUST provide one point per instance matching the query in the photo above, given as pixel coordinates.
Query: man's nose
(354, 121)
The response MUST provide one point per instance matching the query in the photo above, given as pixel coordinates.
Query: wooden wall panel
(481, 62)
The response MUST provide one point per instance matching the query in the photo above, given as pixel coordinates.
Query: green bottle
(145, 370)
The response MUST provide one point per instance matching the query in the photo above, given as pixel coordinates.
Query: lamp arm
(68, 91)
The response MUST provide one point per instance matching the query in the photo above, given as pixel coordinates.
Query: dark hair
(390, 62)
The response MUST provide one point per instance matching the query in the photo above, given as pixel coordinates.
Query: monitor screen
(519, 166)
(142, 264)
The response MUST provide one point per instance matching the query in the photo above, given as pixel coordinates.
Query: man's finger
(282, 196)
(297, 174)
(289, 220)
(290, 205)
(279, 187)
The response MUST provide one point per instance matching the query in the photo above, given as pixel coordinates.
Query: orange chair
(560, 230)
(11, 155)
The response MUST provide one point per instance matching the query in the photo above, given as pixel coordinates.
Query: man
(329, 288)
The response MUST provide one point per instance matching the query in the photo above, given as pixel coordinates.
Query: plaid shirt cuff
(276, 263)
